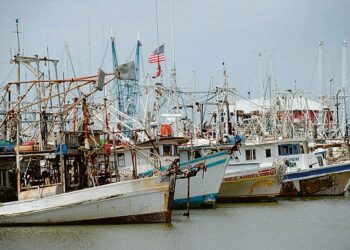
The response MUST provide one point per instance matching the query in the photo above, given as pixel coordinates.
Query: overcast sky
(207, 33)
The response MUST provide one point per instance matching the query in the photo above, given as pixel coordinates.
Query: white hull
(259, 183)
(205, 185)
(141, 200)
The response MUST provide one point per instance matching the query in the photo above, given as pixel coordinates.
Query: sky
(206, 34)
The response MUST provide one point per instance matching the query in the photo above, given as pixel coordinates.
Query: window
(167, 150)
(268, 153)
(176, 150)
(289, 149)
(296, 149)
(197, 154)
(320, 161)
(250, 154)
(121, 159)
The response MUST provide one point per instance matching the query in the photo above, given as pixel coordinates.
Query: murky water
(289, 224)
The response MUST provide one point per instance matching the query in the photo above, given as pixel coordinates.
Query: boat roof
(269, 142)
(163, 141)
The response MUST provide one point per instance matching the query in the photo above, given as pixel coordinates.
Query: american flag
(157, 55)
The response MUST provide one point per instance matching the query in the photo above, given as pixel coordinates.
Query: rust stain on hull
(329, 185)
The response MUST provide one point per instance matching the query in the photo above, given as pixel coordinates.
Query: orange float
(166, 130)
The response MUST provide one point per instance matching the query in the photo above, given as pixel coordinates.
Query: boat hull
(253, 185)
(324, 181)
(144, 200)
(204, 187)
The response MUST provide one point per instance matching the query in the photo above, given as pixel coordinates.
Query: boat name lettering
(261, 173)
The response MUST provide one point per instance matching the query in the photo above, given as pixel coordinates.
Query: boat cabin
(146, 155)
(296, 152)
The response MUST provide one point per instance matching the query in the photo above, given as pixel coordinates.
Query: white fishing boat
(258, 183)
(135, 201)
(208, 166)
(305, 173)
(249, 176)
(205, 185)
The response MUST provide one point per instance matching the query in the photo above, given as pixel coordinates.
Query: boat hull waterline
(137, 201)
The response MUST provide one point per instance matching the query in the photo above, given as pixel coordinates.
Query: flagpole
(157, 31)
(156, 2)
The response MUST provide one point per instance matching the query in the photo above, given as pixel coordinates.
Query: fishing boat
(301, 172)
(206, 183)
(248, 176)
(207, 168)
(135, 201)
(309, 174)
(58, 162)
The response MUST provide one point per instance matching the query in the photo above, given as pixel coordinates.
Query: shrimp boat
(206, 183)
(60, 176)
(207, 169)
(136, 201)
(297, 171)
(309, 174)
(248, 176)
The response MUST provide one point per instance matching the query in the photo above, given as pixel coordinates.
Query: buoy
(166, 130)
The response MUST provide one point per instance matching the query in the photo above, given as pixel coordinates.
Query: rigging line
(132, 52)
(104, 55)
(6, 78)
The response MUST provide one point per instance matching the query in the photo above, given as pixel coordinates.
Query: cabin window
(289, 149)
(121, 159)
(320, 161)
(197, 154)
(268, 153)
(176, 152)
(250, 154)
(296, 149)
(166, 150)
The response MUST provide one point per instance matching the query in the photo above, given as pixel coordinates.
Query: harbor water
(313, 223)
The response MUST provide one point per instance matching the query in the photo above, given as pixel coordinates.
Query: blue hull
(317, 172)
(202, 201)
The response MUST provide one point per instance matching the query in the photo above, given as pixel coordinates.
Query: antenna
(18, 32)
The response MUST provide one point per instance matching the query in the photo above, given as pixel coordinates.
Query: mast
(226, 103)
(18, 116)
(320, 70)
(173, 73)
(262, 87)
(119, 101)
(344, 83)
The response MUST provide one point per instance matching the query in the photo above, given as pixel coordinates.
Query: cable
(5, 79)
